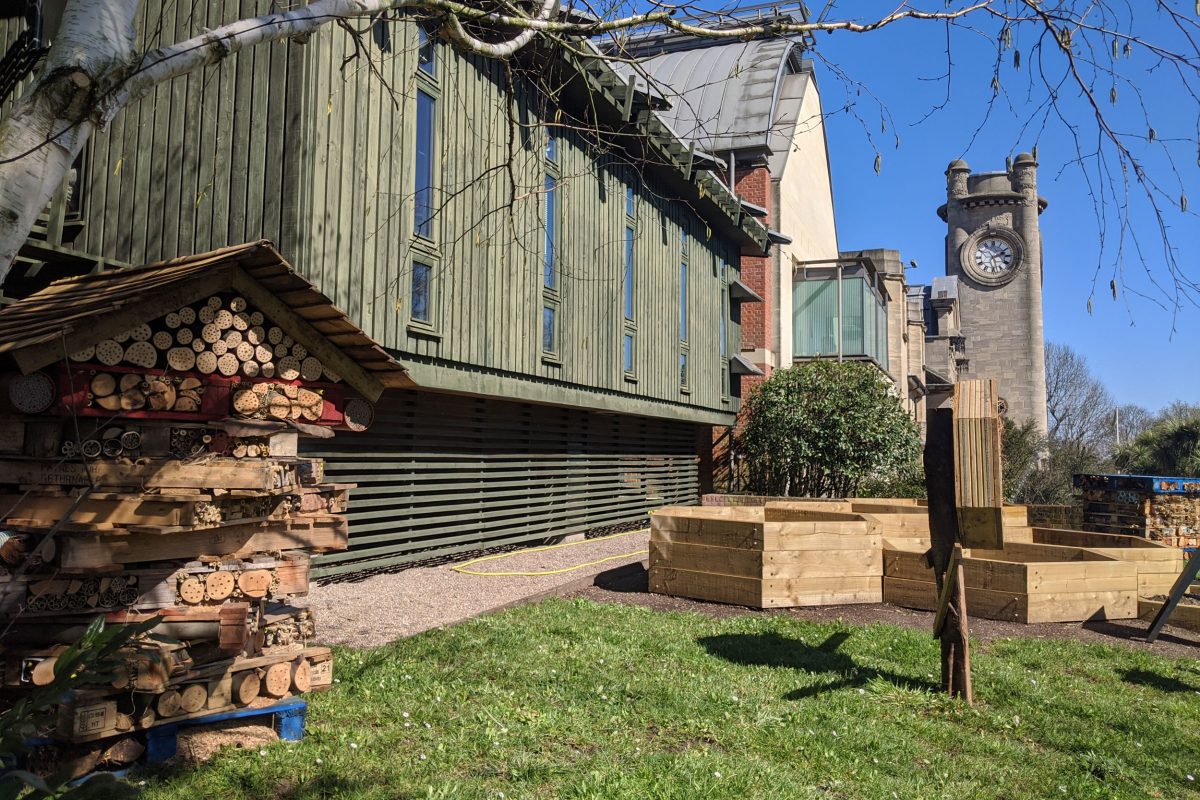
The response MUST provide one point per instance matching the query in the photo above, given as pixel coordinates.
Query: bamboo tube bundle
(358, 414)
(164, 340)
(86, 354)
(32, 393)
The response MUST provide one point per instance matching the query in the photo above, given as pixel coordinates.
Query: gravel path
(382, 608)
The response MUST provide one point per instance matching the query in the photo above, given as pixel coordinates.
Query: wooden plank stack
(978, 477)
(157, 473)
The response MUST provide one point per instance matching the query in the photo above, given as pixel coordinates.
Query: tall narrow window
(724, 323)
(628, 284)
(549, 329)
(551, 285)
(419, 305)
(724, 309)
(683, 302)
(628, 280)
(424, 157)
(550, 269)
(684, 346)
(426, 49)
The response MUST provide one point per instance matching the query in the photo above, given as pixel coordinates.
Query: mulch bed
(628, 584)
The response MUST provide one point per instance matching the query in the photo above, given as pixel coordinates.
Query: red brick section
(754, 185)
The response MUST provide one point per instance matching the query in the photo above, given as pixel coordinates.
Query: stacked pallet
(1161, 509)
(156, 473)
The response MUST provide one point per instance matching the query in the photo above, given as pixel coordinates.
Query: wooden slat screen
(441, 474)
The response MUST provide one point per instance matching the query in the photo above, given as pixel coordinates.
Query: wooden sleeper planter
(765, 557)
(1029, 583)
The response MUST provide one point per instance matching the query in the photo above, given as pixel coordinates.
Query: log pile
(157, 474)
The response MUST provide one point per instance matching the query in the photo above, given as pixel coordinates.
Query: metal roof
(74, 313)
(724, 97)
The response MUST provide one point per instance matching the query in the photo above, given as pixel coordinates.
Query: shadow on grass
(1155, 680)
(773, 650)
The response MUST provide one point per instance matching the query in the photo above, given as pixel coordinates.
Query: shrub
(823, 428)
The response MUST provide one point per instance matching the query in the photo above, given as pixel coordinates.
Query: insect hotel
(149, 466)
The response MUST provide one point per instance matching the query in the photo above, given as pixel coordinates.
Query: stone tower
(994, 249)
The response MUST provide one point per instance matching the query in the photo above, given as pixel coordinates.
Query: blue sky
(1143, 353)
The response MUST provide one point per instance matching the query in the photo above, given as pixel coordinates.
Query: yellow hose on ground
(463, 567)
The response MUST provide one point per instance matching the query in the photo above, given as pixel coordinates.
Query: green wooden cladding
(296, 143)
(438, 475)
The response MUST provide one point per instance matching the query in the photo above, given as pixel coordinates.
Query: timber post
(945, 552)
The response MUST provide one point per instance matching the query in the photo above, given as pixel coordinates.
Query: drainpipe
(839, 314)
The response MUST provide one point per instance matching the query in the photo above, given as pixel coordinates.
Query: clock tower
(994, 249)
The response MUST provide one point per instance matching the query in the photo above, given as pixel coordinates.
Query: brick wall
(754, 185)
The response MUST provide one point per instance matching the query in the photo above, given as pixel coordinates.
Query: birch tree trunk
(92, 54)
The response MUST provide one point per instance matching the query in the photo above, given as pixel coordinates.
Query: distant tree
(1022, 446)
(1079, 408)
(823, 428)
(1170, 447)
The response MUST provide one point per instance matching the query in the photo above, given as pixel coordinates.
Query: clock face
(994, 256)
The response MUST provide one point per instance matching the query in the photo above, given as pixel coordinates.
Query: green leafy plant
(91, 660)
(1170, 447)
(822, 429)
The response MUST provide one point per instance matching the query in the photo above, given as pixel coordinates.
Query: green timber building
(557, 272)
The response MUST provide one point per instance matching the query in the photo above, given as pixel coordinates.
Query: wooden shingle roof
(74, 313)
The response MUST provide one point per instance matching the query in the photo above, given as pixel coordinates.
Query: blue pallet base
(287, 718)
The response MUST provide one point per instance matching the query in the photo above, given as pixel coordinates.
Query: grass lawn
(575, 699)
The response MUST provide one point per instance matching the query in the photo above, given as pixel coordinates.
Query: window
(724, 309)
(684, 346)
(549, 276)
(549, 329)
(426, 49)
(419, 303)
(683, 302)
(839, 312)
(423, 189)
(551, 288)
(628, 280)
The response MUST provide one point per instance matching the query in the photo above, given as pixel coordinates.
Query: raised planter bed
(771, 556)
(1158, 565)
(1023, 583)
